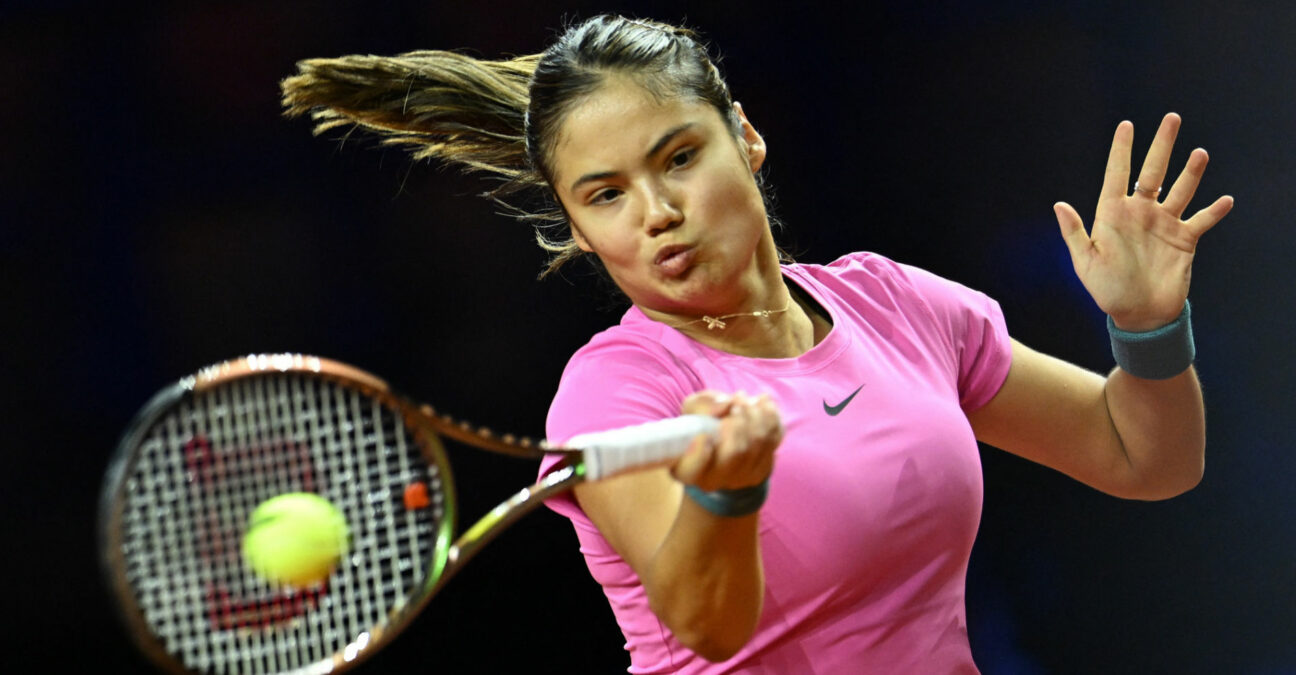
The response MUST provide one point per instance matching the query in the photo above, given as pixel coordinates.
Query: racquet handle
(642, 446)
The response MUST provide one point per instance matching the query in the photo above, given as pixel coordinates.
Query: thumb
(691, 466)
(1072, 227)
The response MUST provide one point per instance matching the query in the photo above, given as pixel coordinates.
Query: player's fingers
(756, 435)
(1073, 231)
(696, 461)
(735, 429)
(707, 402)
(1206, 218)
(741, 456)
(769, 431)
(1185, 186)
(768, 423)
(1116, 178)
(1153, 173)
(731, 456)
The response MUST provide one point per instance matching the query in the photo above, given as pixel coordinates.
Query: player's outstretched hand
(1136, 259)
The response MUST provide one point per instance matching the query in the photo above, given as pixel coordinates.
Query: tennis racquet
(205, 451)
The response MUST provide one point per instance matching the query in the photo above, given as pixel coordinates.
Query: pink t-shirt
(876, 492)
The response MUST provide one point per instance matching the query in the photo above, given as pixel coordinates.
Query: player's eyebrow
(667, 138)
(662, 142)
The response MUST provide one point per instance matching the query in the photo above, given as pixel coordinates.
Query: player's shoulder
(871, 265)
(623, 375)
(868, 270)
(631, 339)
(863, 273)
(636, 345)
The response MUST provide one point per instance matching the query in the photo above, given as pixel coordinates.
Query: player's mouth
(674, 260)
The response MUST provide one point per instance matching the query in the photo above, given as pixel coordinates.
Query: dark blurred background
(157, 214)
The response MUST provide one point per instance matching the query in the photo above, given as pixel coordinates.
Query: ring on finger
(1151, 192)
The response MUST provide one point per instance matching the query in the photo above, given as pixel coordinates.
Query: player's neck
(792, 324)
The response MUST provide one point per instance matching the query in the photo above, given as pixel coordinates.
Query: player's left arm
(1125, 435)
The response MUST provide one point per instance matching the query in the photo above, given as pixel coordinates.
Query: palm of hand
(1136, 262)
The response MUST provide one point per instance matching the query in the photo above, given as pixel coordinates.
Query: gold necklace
(714, 322)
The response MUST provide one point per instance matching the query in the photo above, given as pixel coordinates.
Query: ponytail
(441, 105)
(503, 117)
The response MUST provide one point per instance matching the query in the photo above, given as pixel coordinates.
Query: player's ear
(752, 143)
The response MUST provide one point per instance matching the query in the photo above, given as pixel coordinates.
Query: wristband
(730, 503)
(1158, 354)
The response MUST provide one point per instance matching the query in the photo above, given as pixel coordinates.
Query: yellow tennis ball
(295, 539)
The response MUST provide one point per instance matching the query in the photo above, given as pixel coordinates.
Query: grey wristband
(730, 503)
(1156, 354)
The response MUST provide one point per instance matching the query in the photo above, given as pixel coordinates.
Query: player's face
(664, 194)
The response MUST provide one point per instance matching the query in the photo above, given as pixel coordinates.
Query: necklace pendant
(713, 323)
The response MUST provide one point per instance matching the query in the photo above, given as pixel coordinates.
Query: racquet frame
(423, 421)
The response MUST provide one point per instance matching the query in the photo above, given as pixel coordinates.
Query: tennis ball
(295, 539)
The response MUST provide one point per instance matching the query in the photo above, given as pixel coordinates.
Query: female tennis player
(829, 528)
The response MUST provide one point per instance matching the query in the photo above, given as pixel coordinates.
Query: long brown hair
(502, 117)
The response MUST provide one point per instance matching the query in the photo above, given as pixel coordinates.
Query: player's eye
(682, 158)
(605, 196)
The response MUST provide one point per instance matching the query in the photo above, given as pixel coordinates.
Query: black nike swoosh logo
(833, 410)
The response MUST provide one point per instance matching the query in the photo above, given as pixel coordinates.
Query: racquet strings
(206, 463)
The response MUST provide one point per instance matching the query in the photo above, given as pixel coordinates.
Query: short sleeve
(612, 383)
(977, 333)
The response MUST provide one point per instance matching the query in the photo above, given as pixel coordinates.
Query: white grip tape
(642, 446)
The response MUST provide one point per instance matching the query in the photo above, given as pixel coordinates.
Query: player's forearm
(1162, 427)
(705, 581)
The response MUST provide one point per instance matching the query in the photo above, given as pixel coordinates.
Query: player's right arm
(702, 572)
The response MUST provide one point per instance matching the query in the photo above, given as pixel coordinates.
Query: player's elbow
(1182, 482)
(1187, 474)
(1167, 483)
(715, 645)
(716, 633)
